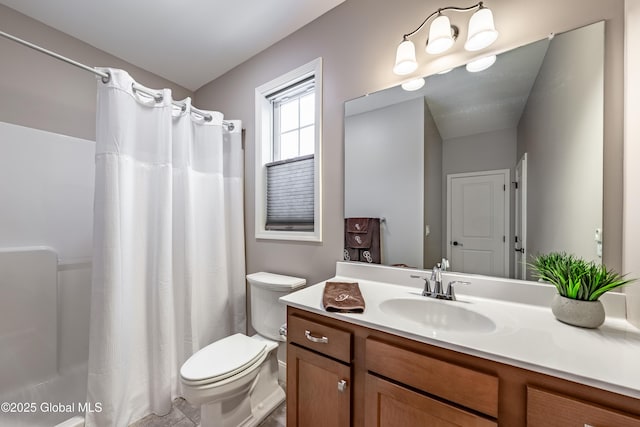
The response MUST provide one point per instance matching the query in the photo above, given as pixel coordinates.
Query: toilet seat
(222, 359)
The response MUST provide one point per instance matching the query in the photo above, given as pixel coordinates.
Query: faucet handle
(426, 292)
(451, 295)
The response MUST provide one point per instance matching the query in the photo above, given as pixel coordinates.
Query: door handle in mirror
(456, 243)
(521, 250)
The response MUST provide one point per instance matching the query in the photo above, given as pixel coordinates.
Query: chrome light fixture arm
(478, 5)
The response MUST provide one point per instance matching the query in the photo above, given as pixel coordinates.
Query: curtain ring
(157, 97)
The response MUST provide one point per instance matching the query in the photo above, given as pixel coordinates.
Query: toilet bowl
(235, 379)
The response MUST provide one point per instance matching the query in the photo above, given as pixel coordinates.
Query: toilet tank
(267, 313)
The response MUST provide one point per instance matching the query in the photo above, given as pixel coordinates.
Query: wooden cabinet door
(390, 405)
(318, 390)
(546, 409)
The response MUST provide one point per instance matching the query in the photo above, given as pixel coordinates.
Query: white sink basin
(439, 315)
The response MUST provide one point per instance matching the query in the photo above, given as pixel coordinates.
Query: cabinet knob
(342, 386)
(312, 338)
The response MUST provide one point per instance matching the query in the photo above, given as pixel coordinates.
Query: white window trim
(263, 153)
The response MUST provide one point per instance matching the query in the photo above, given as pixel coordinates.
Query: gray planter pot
(586, 314)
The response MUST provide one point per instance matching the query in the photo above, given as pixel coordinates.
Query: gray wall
(561, 130)
(44, 93)
(357, 41)
(384, 146)
(386, 176)
(480, 152)
(433, 190)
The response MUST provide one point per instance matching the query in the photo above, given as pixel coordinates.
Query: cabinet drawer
(389, 404)
(319, 337)
(466, 387)
(545, 409)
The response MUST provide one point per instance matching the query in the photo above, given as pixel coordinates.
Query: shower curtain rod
(105, 77)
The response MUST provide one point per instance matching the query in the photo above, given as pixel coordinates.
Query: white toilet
(235, 379)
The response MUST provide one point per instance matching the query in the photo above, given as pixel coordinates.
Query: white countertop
(526, 335)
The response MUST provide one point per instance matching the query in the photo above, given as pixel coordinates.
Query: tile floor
(184, 415)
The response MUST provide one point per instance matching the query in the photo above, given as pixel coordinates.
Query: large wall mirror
(486, 168)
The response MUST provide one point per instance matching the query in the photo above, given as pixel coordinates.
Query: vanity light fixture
(442, 35)
(413, 84)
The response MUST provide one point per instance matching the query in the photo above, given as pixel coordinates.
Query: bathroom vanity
(479, 361)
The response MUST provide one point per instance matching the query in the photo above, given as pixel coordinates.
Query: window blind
(290, 195)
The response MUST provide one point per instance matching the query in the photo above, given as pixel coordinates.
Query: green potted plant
(580, 284)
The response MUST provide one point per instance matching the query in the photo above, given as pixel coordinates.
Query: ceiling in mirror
(465, 104)
(534, 117)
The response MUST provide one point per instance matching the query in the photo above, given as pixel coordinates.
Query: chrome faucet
(436, 277)
(437, 291)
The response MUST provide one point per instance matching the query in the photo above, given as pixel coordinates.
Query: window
(294, 121)
(288, 124)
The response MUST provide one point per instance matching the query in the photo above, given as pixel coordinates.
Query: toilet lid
(222, 359)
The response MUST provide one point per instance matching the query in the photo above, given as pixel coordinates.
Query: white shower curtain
(168, 261)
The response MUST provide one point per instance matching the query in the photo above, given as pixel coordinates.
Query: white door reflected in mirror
(477, 226)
